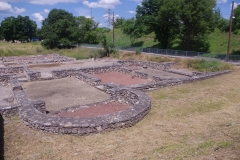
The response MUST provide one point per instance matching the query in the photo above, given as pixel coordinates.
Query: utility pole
(113, 29)
(91, 12)
(230, 32)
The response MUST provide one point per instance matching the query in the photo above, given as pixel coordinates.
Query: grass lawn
(200, 120)
(18, 49)
(218, 41)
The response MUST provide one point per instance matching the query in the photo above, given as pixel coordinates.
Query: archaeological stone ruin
(18, 73)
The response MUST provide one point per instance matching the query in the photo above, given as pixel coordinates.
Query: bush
(207, 65)
(38, 50)
(138, 51)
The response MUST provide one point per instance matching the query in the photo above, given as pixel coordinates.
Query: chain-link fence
(169, 52)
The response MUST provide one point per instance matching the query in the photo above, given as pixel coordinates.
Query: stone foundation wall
(36, 59)
(159, 79)
(5, 78)
(31, 75)
(11, 70)
(141, 75)
(8, 111)
(40, 106)
(139, 106)
(88, 78)
(152, 65)
(171, 82)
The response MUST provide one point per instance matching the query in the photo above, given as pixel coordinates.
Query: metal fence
(169, 52)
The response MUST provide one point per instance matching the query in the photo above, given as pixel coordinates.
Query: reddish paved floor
(120, 78)
(93, 111)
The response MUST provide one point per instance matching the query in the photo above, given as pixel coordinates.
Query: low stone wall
(36, 59)
(11, 70)
(15, 84)
(159, 78)
(40, 106)
(140, 106)
(84, 74)
(5, 78)
(88, 78)
(152, 65)
(8, 111)
(172, 82)
(141, 75)
(31, 75)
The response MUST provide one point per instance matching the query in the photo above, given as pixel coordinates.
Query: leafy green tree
(236, 19)
(195, 19)
(132, 29)
(119, 22)
(186, 20)
(7, 26)
(88, 30)
(59, 29)
(20, 28)
(24, 29)
(220, 22)
(1, 33)
(156, 18)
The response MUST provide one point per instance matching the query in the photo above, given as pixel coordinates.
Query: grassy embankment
(19, 49)
(217, 42)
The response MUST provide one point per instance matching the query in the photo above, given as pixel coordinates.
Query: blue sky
(38, 10)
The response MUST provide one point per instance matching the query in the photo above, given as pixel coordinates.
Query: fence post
(186, 53)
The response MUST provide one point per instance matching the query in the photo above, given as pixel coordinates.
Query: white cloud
(222, 1)
(83, 11)
(38, 16)
(46, 11)
(7, 8)
(235, 5)
(52, 2)
(106, 16)
(102, 4)
(132, 12)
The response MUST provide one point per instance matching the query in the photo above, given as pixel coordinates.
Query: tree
(220, 22)
(1, 33)
(7, 26)
(154, 15)
(132, 29)
(195, 19)
(20, 28)
(236, 20)
(186, 20)
(24, 29)
(88, 30)
(119, 22)
(59, 29)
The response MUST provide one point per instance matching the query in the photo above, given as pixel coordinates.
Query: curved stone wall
(139, 102)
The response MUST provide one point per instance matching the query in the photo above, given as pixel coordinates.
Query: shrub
(207, 65)
(38, 50)
(138, 51)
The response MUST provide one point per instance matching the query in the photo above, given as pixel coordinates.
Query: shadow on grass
(1, 138)
(236, 52)
(197, 46)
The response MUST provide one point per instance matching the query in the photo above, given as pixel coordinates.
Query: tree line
(189, 22)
